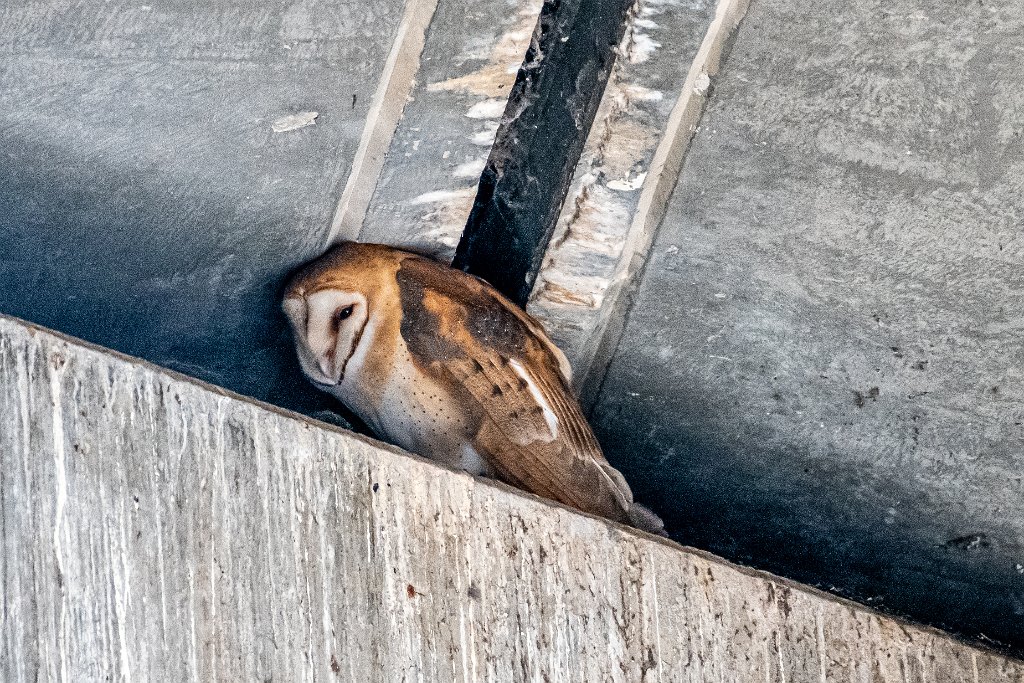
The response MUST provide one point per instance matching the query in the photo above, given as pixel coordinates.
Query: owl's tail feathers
(642, 518)
(636, 515)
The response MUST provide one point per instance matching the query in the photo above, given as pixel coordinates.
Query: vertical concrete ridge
(206, 537)
(428, 182)
(389, 100)
(606, 226)
(658, 185)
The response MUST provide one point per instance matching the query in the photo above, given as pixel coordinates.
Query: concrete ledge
(157, 529)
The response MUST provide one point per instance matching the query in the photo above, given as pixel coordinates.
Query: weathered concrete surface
(156, 529)
(426, 186)
(146, 202)
(595, 237)
(821, 373)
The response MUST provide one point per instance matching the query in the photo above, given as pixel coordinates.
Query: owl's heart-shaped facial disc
(328, 326)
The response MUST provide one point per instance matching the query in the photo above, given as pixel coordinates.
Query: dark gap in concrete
(549, 113)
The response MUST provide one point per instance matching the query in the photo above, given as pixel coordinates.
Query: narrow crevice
(549, 114)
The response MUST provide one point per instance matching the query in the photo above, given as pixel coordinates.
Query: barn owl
(440, 363)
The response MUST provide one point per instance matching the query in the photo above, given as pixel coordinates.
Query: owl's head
(328, 303)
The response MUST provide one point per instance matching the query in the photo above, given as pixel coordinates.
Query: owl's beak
(314, 361)
(326, 366)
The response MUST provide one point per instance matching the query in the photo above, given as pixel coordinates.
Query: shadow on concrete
(767, 510)
(94, 252)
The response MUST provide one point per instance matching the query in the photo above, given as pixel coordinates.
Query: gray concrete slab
(145, 202)
(821, 372)
(152, 528)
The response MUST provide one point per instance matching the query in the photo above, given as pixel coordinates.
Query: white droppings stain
(470, 169)
(645, 23)
(443, 196)
(485, 137)
(549, 415)
(488, 109)
(638, 93)
(641, 48)
(416, 145)
(495, 78)
(295, 121)
(443, 222)
(447, 153)
(445, 233)
(627, 184)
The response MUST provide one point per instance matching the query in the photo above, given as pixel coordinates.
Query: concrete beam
(821, 371)
(155, 528)
(622, 182)
(415, 187)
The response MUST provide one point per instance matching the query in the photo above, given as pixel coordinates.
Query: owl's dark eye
(344, 313)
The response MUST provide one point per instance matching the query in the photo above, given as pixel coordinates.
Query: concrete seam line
(382, 119)
(657, 189)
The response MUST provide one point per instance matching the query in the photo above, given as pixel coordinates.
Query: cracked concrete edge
(584, 306)
(251, 484)
(382, 120)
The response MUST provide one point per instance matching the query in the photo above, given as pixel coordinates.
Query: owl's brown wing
(532, 431)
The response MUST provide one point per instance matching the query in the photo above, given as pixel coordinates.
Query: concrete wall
(146, 201)
(153, 528)
(820, 371)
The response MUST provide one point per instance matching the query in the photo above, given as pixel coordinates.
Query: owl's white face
(328, 327)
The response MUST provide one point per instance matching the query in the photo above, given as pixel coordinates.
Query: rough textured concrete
(156, 529)
(426, 187)
(145, 202)
(603, 225)
(821, 373)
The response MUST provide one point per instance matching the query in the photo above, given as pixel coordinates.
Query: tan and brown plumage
(440, 363)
